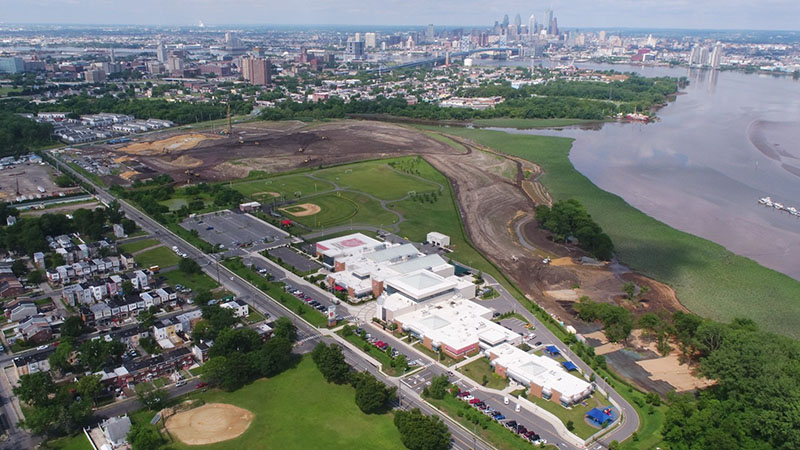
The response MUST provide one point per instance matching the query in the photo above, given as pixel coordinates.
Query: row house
(21, 310)
(33, 362)
(189, 319)
(239, 307)
(147, 369)
(92, 291)
(85, 269)
(131, 336)
(36, 329)
(167, 328)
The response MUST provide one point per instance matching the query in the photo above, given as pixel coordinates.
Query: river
(727, 140)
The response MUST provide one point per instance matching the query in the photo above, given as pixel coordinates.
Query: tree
(73, 327)
(19, 267)
(127, 288)
(94, 354)
(144, 436)
(284, 328)
(421, 432)
(189, 266)
(241, 340)
(146, 319)
(35, 277)
(60, 359)
(371, 394)
(274, 357)
(152, 398)
(114, 212)
(89, 387)
(438, 387)
(330, 362)
(629, 289)
(35, 388)
(401, 363)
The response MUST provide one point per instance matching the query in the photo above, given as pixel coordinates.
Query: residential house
(36, 329)
(21, 310)
(116, 430)
(239, 307)
(33, 362)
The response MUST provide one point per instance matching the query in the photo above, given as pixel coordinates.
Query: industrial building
(457, 327)
(343, 246)
(544, 376)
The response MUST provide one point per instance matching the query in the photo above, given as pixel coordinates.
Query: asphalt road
(264, 304)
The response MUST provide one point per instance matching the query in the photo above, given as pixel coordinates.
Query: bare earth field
(29, 177)
(210, 423)
(258, 146)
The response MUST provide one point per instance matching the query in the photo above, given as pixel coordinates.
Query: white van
(505, 400)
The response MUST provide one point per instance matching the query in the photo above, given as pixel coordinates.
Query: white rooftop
(456, 323)
(421, 284)
(344, 245)
(546, 372)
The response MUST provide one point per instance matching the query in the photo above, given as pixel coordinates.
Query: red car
(201, 385)
(474, 400)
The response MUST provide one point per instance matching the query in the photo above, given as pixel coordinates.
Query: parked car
(511, 424)
(498, 416)
(474, 400)
(200, 385)
(180, 383)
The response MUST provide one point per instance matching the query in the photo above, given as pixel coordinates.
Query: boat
(769, 203)
(766, 201)
(777, 205)
(637, 117)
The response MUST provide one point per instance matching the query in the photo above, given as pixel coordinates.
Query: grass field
(135, 246)
(334, 210)
(300, 410)
(160, 256)
(709, 279)
(77, 442)
(529, 123)
(376, 178)
(287, 186)
(195, 281)
(478, 369)
(175, 204)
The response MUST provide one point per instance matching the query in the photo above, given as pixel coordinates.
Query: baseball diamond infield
(210, 423)
(305, 209)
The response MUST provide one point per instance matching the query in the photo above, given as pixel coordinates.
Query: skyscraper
(431, 34)
(548, 17)
(517, 22)
(716, 56)
(532, 26)
(505, 21)
(257, 70)
(161, 53)
(370, 40)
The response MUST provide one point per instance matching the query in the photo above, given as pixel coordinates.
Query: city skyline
(680, 14)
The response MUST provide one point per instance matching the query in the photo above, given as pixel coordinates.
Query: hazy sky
(740, 14)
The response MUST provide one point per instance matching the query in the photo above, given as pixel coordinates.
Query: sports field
(299, 410)
(709, 279)
(288, 186)
(378, 179)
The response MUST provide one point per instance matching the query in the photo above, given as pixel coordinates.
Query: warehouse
(457, 326)
(544, 376)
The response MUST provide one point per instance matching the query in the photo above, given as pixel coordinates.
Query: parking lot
(265, 267)
(234, 230)
(296, 260)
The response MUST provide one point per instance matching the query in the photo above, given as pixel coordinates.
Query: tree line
(569, 219)
(18, 135)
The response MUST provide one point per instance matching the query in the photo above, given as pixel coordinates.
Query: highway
(463, 439)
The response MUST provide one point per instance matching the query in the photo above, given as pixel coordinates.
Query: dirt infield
(210, 423)
(165, 146)
(302, 210)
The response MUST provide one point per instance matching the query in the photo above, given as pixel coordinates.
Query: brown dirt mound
(171, 144)
(186, 162)
(210, 423)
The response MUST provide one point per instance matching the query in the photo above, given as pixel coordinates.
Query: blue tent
(553, 350)
(569, 365)
(598, 416)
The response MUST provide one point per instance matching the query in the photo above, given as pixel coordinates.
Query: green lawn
(709, 280)
(529, 123)
(77, 442)
(300, 410)
(161, 256)
(131, 247)
(175, 204)
(377, 178)
(287, 186)
(480, 368)
(576, 414)
(441, 357)
(195, 281)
